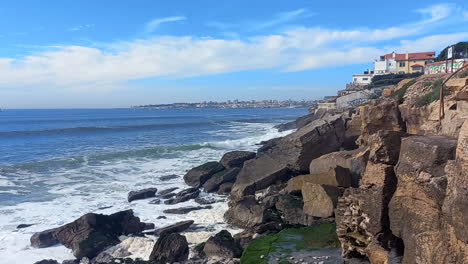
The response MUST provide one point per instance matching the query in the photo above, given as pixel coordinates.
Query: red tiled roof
(416, 65)
(412, 56)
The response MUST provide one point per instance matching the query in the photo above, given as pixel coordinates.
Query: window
(402, 64)
(365, 79)
(401, 72)
(355, 79)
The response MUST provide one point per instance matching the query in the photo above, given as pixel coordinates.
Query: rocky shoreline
(385, 182)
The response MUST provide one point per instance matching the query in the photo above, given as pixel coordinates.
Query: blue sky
(115, 53)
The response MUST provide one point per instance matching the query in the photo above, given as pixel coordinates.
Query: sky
(118, 53)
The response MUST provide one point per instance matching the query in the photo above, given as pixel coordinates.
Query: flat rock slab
(186, 210)
(142, 194)
(167, 191)
(175, 228)
(169, 177)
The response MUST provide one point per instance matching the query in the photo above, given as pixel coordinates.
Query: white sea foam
(95, 188)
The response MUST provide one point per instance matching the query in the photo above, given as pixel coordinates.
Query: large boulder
(415, 209)
(186, 209)
(222, 245)
(320, 200)
(290, 208)
(170, 248)
(46, 261)
(197, 176)
(292, 152)
(378, 174)
(247, 213)
(354, 160)
(92, 233)
(174, 228)
(236, 158)
(384, 146)
(142, 194)
(224, 176)
(339, 177)
(380, 115)
(44, 238)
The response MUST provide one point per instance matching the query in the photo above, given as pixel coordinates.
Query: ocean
(58, 164)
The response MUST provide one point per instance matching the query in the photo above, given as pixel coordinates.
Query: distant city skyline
(93, 54)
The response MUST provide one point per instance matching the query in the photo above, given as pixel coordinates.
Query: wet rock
(197, 176)
(167, 191)
(169, 177)
(320, 200)
(186, 210)
(243, 238)
(102, 258)
(142, 194)
(290, 208)
(20, 226)
(71, 261)
(44, 239)
(222, 245)
(224, 176)
(155, 201)
(92, 233)
(167, 196)
(170, 248)
(175, 228)
(236, 158)
(205, 200)
(47, 261)
(183, 196)
(161, 217)
(225, 188)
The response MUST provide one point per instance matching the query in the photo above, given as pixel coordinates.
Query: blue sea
(58, 164)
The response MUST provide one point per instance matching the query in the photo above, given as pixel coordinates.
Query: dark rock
(102, 258)
(92, 233)
(167, 196)
(170, 248)
(184, 196)
(270, 227)
(236, 158)
(243, 238)
(197, 176)
(142, 194)
(247, 213)
(292, 152)
(71, 261)
(47, 261)
(44, 239)
(225, 188)
(222, 245)
(290, 207)
(186, 210)
(24, 225)
(148, 226)
(175, 228)
(286, 126)
(166, 191)
(155, 201)
(205, 200)
(224, 176)
(169, 177)
(161, 217)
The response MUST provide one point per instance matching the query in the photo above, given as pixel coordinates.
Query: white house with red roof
(403, 62)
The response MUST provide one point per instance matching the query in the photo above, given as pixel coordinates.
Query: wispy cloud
(153, 24)
(436, 12)
(283, 18)
(80, 27)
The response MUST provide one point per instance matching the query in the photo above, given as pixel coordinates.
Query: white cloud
(282, 18)
(436, 12)
(80, 27)
(79, 67)
(153, 24)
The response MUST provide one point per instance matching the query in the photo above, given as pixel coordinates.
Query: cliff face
(401, 194)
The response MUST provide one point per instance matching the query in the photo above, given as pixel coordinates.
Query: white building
(362, 79)
(385, 64)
